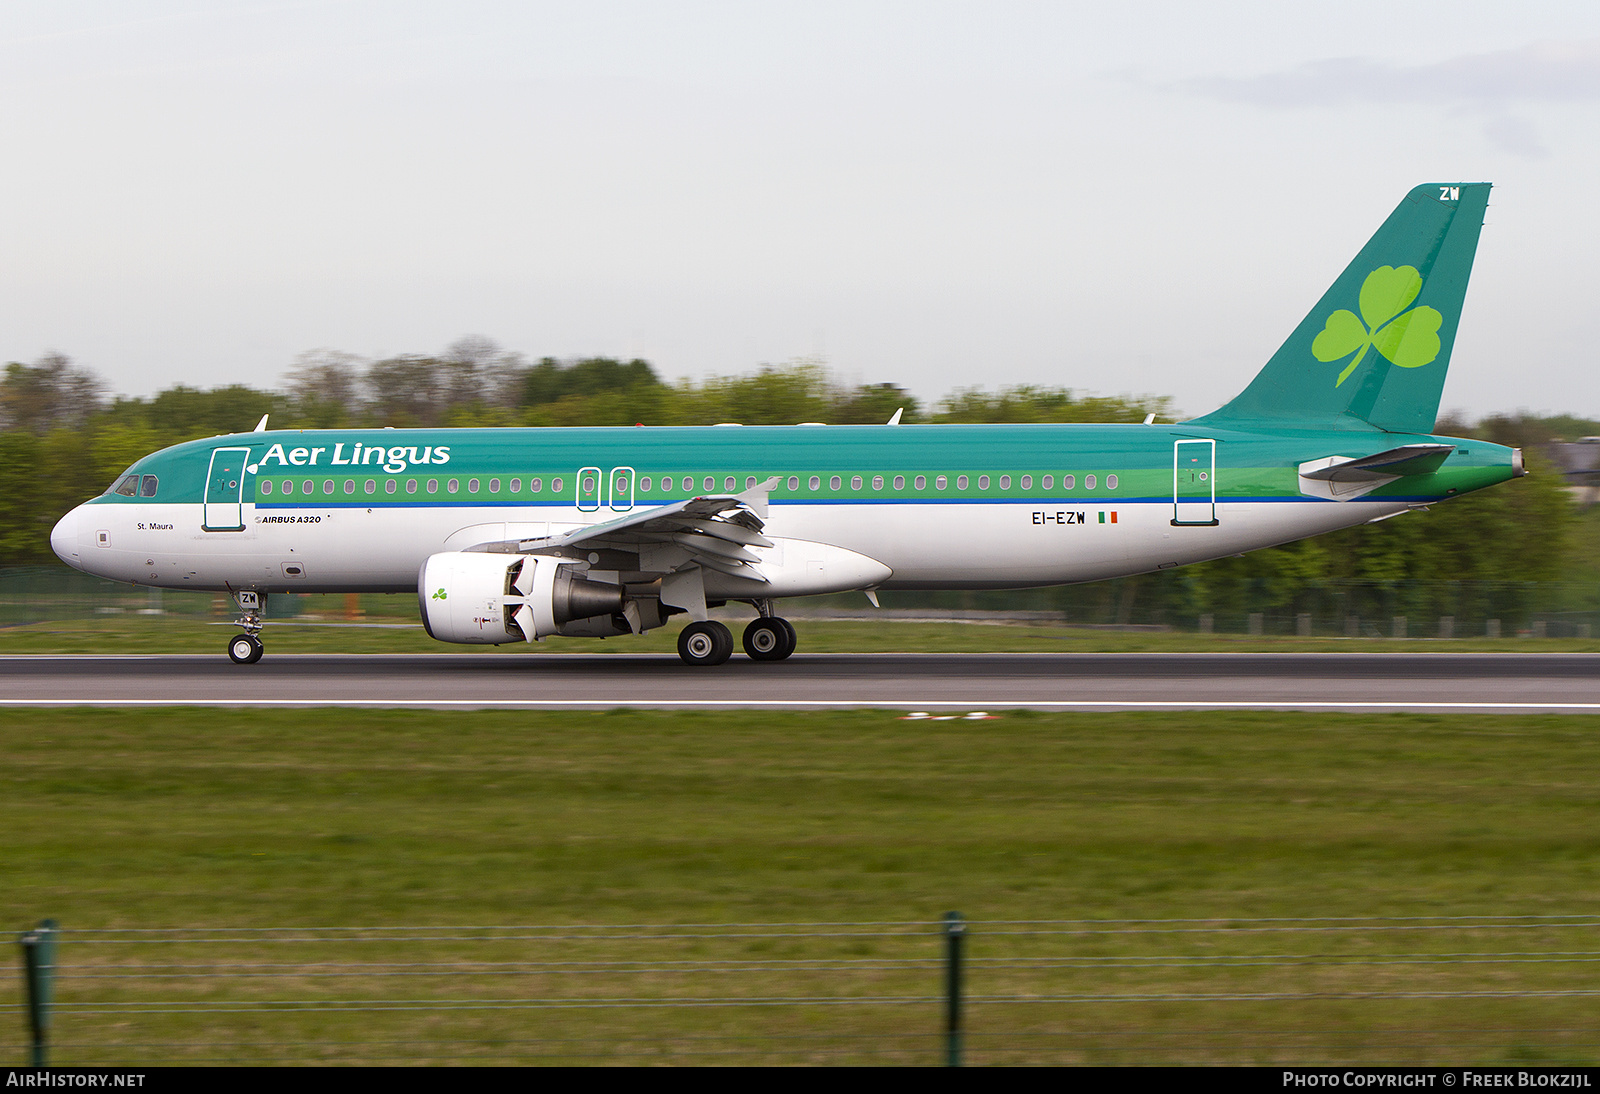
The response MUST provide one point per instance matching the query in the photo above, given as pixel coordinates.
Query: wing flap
(714, 531)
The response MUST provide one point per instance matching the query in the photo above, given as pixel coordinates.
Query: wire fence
(1508, 989)
(32, 595)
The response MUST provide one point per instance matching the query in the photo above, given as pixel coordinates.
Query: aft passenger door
(224, 509)
(1194, 482)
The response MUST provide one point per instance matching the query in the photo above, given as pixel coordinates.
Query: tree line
(62, 439)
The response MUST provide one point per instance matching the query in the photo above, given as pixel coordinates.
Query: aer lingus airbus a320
(512, 535)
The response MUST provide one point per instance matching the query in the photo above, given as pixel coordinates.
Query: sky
(1122, 199)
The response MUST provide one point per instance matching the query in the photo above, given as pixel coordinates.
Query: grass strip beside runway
(328, 818)
(129, 634)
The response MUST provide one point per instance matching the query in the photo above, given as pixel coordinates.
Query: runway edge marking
(814, 704)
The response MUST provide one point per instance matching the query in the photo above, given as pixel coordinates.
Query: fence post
(39, 970)
(955, 930)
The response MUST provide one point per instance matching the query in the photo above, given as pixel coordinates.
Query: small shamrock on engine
(1410, 339)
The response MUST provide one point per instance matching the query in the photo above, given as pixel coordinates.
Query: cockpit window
(129, 486)
(147, 486)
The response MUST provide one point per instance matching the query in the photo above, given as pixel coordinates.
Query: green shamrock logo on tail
(1410, 339)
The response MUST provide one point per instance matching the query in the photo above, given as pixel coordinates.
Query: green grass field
(332, 818)
(402, 634)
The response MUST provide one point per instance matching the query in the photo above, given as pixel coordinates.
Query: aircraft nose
(64, 539)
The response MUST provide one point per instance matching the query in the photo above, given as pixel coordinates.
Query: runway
(933, 682)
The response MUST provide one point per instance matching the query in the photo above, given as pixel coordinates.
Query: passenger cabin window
(1047, 481)
(1027, 482)
(1005, 482)
(644, 485)
(983, 482)
(835, 482)
(147, 486)
(1111, 482)
(961, 482)
(1088, 482)
(899, 482)
(534, 486)
(816, 482)
(555, 484)
(794, 482)
(129, 486)
(1069, 482)
(855, 482)
(308, 487)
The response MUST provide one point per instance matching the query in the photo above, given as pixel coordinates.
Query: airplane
(515, 535)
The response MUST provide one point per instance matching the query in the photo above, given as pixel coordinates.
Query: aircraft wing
(715, 532)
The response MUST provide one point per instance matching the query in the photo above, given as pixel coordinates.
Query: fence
(1417, 990)
(1417, 609)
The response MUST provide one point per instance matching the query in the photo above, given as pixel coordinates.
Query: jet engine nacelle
(476, 597)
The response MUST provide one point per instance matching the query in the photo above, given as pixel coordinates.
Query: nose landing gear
(246, 648)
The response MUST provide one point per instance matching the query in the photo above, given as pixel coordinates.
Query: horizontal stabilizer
(1341, 478)
(1408, 459)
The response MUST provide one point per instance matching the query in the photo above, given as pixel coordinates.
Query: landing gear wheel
(244, 649)
(708, 643)
(769, 639)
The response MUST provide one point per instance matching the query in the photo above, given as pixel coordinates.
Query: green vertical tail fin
(1374, 351)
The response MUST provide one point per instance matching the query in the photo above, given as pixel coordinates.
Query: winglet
(756, 496)
(896, 419)
(261, 426)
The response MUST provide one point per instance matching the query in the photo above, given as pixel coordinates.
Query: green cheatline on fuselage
(1137, 459)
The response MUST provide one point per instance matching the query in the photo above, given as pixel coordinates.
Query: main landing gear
(769, 639)
(246, 648)
(710, 643)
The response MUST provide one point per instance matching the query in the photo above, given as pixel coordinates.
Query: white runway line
(816, 704)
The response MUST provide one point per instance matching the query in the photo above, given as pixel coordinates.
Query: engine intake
(489, 599)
